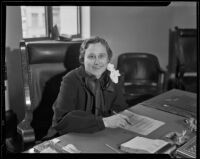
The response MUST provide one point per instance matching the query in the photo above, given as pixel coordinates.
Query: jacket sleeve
(67, 117)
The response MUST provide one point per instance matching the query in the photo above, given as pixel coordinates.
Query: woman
(90, 94)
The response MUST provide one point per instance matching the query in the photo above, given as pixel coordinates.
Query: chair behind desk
(41, 60)
(143, 76)
(182, 67)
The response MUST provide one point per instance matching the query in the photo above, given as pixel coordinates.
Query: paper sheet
(141, 124)
(48, 150)
(143, 144)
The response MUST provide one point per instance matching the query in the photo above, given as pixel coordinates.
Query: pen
(184, 132)
(125, 119)
(112, 148)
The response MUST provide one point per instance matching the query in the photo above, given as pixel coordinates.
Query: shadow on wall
(15, 84)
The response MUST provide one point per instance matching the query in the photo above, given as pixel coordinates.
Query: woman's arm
(68, 117)
(79, 121)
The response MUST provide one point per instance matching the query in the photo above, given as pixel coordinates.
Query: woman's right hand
(115, 121)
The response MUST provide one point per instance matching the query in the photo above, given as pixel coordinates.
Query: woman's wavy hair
(94, 40)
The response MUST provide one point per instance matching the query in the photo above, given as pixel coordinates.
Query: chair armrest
(25, 130)
(162, 70)
(163, 79)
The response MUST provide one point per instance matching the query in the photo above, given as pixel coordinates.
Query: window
(32, 22)
(34, 19)
(67, 19)
(37, 21)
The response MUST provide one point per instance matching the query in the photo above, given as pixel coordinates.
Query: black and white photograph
(99, 78)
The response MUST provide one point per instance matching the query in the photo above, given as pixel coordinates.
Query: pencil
(112, 148)
(122, 114)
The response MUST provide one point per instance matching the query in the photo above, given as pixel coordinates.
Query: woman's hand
(115, 121)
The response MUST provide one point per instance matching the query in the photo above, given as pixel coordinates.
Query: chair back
(41, 60)
(186, 58)
(186, 49)
(139, 68)
(142, 76)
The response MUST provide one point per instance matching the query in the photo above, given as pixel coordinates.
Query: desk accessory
(40, 147)
(48, 150)
(177, 138)
(188, 150)
(191, 123)
(53, 146)
(49, 147)
(121, 114)
(112, 148)
(71, 148)
(169, 150)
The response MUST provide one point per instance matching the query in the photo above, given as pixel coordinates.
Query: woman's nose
(97, 61)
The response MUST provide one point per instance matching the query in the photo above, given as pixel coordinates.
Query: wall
(141, 29)
(13, 60)
(13, 26)
(184, 15)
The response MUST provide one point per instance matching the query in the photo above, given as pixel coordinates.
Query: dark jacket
(73, 108)
(41, 123)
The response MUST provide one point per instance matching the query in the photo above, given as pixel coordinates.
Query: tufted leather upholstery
(142, 76)
(48, 51)
(42, 61)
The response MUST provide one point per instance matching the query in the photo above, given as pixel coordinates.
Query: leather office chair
(142, 76)
(42, 65)
(186, 59)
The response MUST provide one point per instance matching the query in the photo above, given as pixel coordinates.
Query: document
(53, 146)
(141, 124)
(143, 145)
(48, 150)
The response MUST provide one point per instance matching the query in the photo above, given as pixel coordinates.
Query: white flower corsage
(114, 74)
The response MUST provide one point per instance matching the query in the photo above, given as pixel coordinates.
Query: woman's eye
(102, 56)
(91, 57)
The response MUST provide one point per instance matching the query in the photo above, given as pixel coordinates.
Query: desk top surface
(175, 101)
(95, 142)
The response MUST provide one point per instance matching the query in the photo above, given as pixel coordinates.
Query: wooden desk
(95, 143)
(175, 101)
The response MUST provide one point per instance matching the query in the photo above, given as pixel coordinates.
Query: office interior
(126, 28)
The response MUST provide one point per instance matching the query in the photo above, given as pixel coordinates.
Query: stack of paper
(53, 146)
(49, 150)
(143, 145)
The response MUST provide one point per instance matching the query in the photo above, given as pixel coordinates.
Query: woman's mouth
(97, 67)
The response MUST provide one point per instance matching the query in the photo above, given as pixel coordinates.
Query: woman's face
(95, 59)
